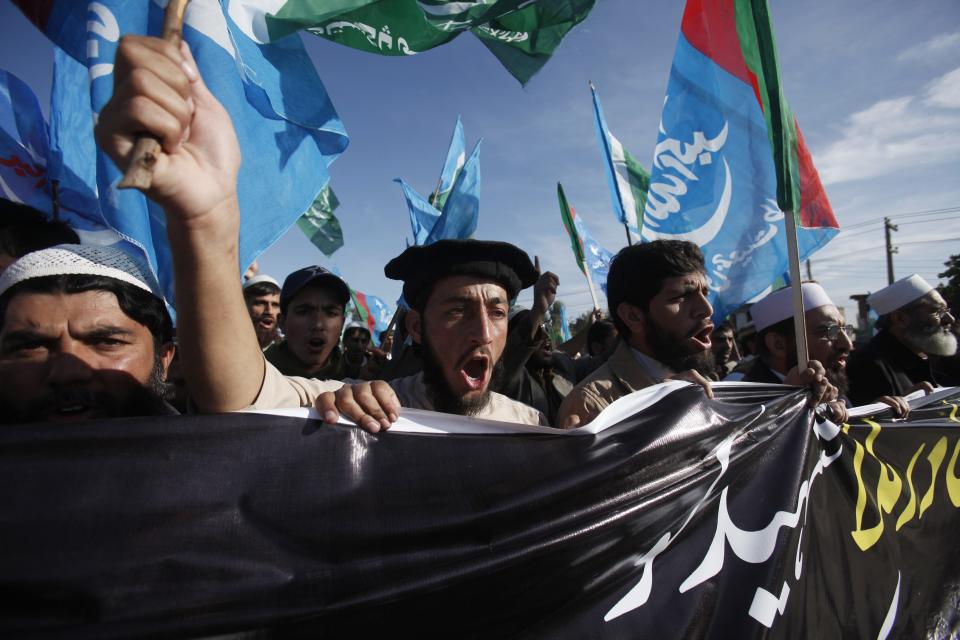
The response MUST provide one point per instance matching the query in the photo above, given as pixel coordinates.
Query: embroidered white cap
(898, 294)
(778, 306)
(76, 259)
(258, 279)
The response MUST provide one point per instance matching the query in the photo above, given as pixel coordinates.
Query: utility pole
(887, 228)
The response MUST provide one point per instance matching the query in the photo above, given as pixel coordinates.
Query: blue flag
(713, 180)
(23, 145)
(455, 210)
(31, 163)
(595, 257)
(423, 215)
(456, 157)
(627, 179)
(287, 127)
(462, 209)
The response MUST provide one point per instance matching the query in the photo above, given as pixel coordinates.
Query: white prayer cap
(258, 279)
(778, 306)
(898, 294)
(353, 324)
(75, 259)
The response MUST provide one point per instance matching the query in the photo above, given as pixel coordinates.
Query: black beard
(440, 393)
(137, 400)
(671, 353)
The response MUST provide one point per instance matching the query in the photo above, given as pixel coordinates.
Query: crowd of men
(86, 334)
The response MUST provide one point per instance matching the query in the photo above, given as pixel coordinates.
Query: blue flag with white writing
(713, 179)
(288, 130)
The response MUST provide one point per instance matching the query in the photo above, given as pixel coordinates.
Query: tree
(580, 322)
(951, 290)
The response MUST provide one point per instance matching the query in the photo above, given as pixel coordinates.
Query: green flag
(320, 225)
(521, 34)
(567, 214)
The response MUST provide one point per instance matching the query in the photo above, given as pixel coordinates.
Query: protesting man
(459, 293)
(261, 293)
(312, 305)
(84, 335)
(664, 322)
(914, 323)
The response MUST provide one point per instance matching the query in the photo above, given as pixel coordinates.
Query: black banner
(740, 517)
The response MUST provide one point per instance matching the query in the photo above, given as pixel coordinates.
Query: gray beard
(941, 342)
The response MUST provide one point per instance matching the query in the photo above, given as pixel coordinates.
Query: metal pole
(799, 324)
(629, 239)
(887, 228)
(809, 270)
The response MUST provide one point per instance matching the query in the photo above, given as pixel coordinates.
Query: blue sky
(875, 86)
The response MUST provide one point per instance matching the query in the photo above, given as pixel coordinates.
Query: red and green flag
(373, 312)
(730, 158)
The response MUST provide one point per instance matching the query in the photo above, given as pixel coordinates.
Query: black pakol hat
(421, 266)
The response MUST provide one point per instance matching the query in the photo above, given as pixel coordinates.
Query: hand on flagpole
(158, 91)
(814, 377)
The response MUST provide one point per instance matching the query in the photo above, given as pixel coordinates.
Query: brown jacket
(618, 376)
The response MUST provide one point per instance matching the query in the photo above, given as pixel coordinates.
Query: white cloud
(944, 91)
(896, 133)
(932, 49)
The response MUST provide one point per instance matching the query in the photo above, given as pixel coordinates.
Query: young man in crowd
(312, 305)
(356, 346)
(261, 293)
(915, 323)
(664, 323)
(84, 335)
(724, 347)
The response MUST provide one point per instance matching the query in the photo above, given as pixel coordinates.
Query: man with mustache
(459, 292)
(84, 335)
(657, 293)
(261, 293)
(914, 323)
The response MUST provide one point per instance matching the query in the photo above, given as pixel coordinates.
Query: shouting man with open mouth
(460, 292)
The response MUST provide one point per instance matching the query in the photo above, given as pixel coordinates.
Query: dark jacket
(760, 372)
(885, 367)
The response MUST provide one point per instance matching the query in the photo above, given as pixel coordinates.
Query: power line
(911, 214)
(881, 247)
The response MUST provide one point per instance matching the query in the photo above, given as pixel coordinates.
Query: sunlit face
(676, 327)
(832, 354)
(312, 325)
(465, 322)
(75, 356)
(264, 311)
(929, 327)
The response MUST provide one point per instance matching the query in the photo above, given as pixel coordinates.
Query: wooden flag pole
(139, 174)
(799, 324)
